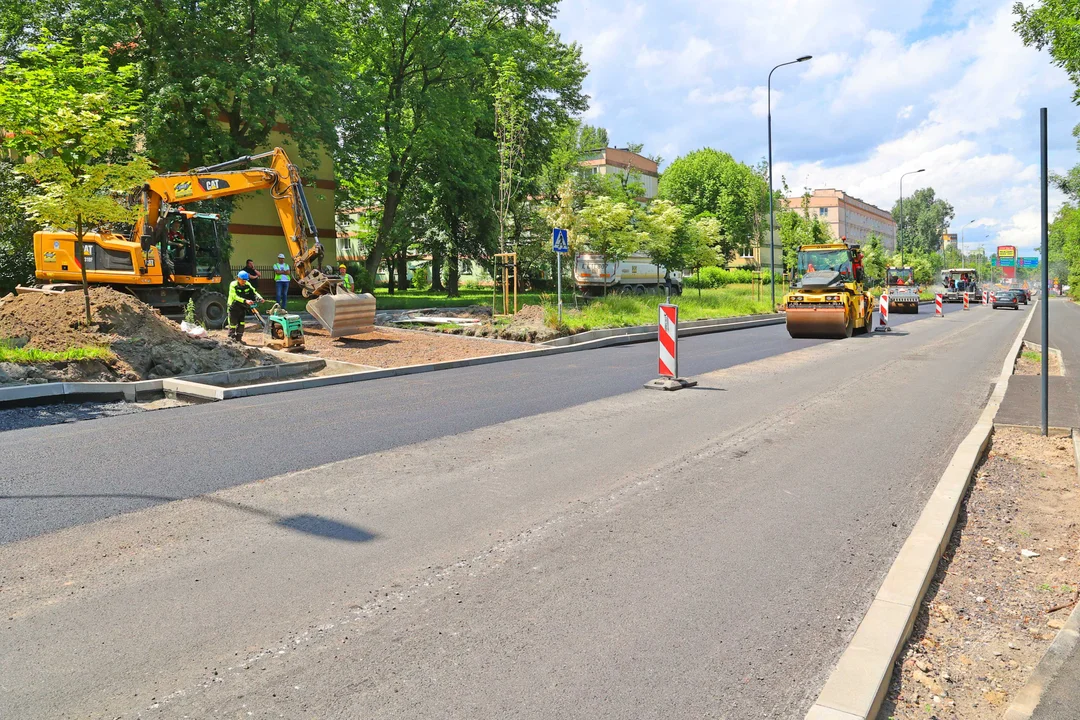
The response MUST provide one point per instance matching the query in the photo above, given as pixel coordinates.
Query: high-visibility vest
(281, 272)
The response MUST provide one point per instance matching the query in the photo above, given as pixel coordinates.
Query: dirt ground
(387, 347)
(146, 345)
(527, 325)
(1013, 556)
(1026, 366)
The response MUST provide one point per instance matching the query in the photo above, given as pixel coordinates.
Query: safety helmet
(281, 256)
(341, 266)
(243, 275)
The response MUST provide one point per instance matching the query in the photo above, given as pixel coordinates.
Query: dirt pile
(146, 345)
(529, 324)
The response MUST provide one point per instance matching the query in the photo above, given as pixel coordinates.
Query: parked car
(1007, 299)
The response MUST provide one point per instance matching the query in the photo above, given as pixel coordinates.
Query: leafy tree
(1053, 24)
(70, 115)
(418, 85)
(509, 138)
(16, 230)
(606, 227)
(926, 217)
(710, 181)
(668, 239)
(874, 256)
(592, 138)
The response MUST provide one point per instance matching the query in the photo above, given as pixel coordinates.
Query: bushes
(715, 277)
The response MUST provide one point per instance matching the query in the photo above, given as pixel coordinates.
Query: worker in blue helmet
(242, 295)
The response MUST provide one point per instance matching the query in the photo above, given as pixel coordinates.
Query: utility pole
(772, 222)
(1044, 232)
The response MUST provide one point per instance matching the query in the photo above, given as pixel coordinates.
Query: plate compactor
(281, 330)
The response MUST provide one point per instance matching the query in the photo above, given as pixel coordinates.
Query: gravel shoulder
(1013, 556)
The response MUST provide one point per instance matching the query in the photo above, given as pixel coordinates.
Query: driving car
(1007, 299)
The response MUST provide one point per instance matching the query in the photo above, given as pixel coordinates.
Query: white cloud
(944, 85)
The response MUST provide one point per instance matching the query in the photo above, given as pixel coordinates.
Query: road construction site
(432, 536)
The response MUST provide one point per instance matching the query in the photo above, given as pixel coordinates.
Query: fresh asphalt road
(706, 553)
(62, 475)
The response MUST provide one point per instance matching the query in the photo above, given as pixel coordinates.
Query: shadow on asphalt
(308, 524)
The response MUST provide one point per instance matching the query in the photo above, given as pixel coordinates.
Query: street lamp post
(900, 240)
(772, 222)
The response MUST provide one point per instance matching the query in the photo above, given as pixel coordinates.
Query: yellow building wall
(256, 231)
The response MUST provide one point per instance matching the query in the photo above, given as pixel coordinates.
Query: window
(823, 212)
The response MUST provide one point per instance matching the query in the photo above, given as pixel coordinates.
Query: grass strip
(29, 356)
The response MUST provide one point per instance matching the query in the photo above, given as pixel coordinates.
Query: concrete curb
(191, 387)
(644, 333)
(1060, 650)
(858, 684)
(76, 392)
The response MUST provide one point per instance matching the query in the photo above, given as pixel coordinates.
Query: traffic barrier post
(966, 300)
(668, 351)
(937, 306)
(883, 314)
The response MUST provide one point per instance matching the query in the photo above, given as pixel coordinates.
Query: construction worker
(242, 295)
(281, 280)
(346, 278)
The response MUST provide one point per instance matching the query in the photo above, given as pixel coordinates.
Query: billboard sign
(1027, 262)
(1007, 260)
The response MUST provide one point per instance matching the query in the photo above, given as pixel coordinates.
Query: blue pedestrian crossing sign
(560, 240)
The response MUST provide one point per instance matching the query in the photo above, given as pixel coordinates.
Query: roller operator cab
(829, 299)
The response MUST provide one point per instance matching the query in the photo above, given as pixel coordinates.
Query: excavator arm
(279, 176)
(341, 313)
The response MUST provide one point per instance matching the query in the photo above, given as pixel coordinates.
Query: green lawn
(26, 356)
(626, 311)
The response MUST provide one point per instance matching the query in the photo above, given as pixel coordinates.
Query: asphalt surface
(705, 553)
(55, 477)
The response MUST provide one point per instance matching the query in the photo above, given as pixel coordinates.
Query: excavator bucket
(344, 313)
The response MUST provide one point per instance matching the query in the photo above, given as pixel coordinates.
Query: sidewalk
(1022, 403)
(1061, 699)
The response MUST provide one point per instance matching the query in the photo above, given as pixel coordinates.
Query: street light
(962, 240)
(900, 241)
(772, 223)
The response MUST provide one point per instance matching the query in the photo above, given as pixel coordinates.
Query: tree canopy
(925, 219)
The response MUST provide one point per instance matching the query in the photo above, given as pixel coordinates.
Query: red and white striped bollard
(883, 314)
(966, 299)
(937, 305)
(986, 297)
(668, 349)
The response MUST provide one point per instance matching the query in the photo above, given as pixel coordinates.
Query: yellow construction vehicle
(171, 254)
(830, 300)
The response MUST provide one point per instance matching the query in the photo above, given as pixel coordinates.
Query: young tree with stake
(69, 116)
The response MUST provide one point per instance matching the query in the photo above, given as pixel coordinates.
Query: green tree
(799, 227)
(592, 138)
(874, 256)
(16, 229)
(418, 85)
(710, 181)
(606, 227)
(70, 116)
(1053, 24)
(926, 217)
(509, 138)
(668, 239)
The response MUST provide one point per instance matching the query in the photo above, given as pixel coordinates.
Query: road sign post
(560, 243)
(667, 335)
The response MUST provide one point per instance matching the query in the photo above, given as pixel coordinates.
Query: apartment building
(615, 161)
(848, 216)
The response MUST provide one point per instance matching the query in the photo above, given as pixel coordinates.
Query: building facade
(849, 217)
(613, 161)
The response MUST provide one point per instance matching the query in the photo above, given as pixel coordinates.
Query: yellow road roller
(829, 298)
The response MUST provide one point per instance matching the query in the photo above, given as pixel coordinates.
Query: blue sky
(894, 86)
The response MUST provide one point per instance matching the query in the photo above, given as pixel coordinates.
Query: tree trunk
(436, 271)
(386, 224)
(390, 275)
(402, 262)
(453, 269)
(80, 234)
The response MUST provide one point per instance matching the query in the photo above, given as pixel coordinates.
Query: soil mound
(146, 344)
(527, 325)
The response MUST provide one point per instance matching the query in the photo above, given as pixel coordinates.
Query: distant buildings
(849, 217)
(613, 161)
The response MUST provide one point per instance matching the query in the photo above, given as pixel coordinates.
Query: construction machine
(171, 255)
(830, 300)
(280, 329)
(903, 290)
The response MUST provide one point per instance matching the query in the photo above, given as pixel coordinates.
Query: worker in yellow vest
(281, 280)
(346, 278)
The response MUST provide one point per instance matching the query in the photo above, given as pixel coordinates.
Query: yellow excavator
(830, 300)
(171, 255)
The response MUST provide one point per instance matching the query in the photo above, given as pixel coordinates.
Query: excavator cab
(189, 244)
